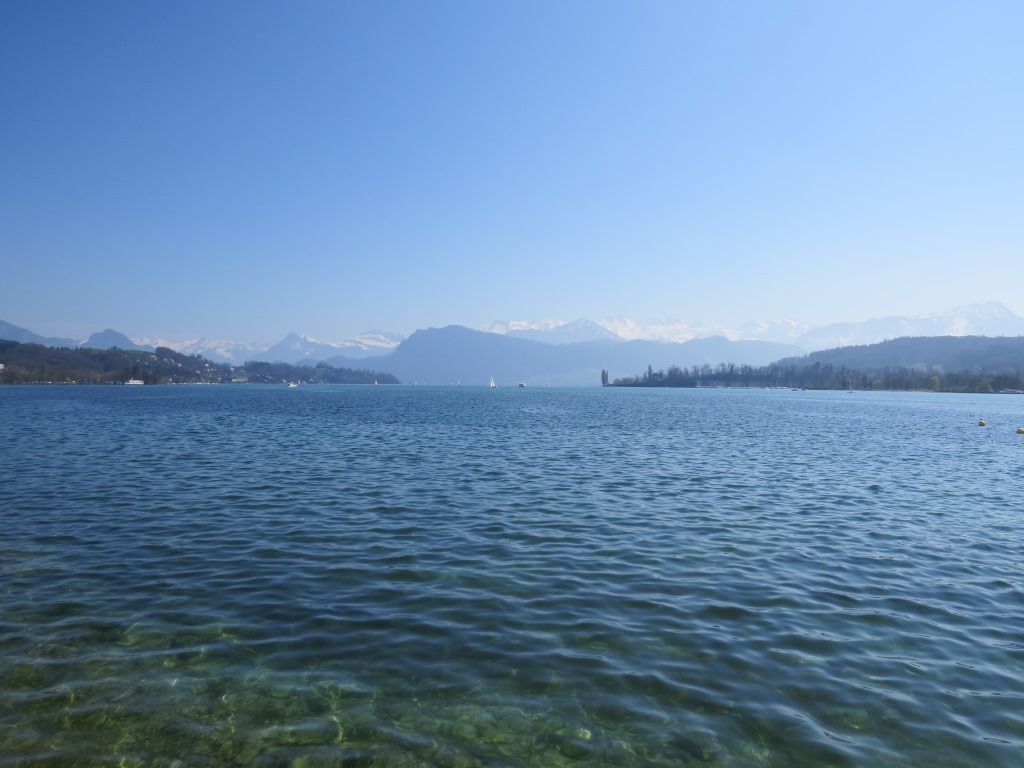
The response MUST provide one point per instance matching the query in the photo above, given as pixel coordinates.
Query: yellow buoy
(1020, 430)
(981, 422)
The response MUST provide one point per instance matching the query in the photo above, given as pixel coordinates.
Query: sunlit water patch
(397, 576)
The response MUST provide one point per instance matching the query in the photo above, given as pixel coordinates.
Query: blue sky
(245, 169)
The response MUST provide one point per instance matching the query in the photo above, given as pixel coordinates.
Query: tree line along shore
(938, 364)
(37, 364)
(914, 363)
(823, 376)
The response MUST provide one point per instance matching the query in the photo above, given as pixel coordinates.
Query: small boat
(493, 385)
(522, 385)
(292, 384)
(134, 381)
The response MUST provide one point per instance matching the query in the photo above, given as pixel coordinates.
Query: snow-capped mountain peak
(986, 319)
(554, 331)
(294, 347)
(675, 331)
(511, 326)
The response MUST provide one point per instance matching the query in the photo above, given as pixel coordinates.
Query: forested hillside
(973, 354)
(940, 364)
(35, 363)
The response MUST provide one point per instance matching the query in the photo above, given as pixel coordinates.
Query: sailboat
(493, 385)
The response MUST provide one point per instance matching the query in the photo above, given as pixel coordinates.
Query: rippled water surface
(405, 576)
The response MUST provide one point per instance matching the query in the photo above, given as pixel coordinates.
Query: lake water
(409, 576)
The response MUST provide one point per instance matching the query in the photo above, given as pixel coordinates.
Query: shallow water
(407, 576)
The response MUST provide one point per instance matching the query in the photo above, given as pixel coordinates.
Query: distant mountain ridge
(574, 346)
(456, 354)
(554, 332)
(23, 335)
(111, 339)
(293, 348)
(985, 319)
(297, 347)
(677, 331)
(939, 354)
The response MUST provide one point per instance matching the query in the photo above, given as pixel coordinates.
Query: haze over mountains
(555, 352)
(985, 319)
(461, 355)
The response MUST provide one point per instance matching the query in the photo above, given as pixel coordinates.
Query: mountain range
(456, 354)
(102, 340)
(554, 352)
(293, 348)
(985, 319)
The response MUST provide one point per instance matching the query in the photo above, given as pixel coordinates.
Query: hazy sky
(245, 169)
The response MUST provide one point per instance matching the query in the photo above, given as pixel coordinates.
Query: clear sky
(241, 169)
